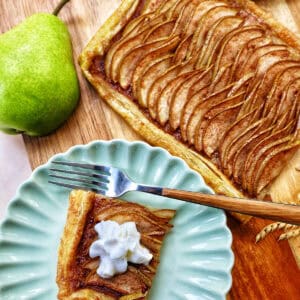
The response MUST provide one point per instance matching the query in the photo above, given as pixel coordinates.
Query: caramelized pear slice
(265, 63)
(146, 279)
(238, 161)
(158, 217)
(189, 107)
(162, 30)
(215, 129)
(145, 64)
(184, 19)
(177, 8)
(289, 99)
(248, 100)
(161, 82)
(125, 44)
(284, 120)
(233, 42)
(200, 84)
(144, 223)
(215, 122)
(116, 283)
(202, 106)
(206, 21)
(144, 84)
(292, 114)
(221, 80)
(197, 14)
(151, 243)
(167, 7)
(264, 81)
(245, 52)
(262, 154)
(252, 61)
(92, 265)
(282, 80)
(180, 96)
(164, 214)
(130, 62)
(181, 51)
(269, 61)
(136, 24)
(272, 165)
(259, 89)
(220, 28)
(205, 24)
(241, 85)
(197, 94)
(244, 135)
(164, 100)
(201, 10)
(150, 269)
(259, 151)
(232, 132)
(222, 45)
(148, 61)
(157, 28)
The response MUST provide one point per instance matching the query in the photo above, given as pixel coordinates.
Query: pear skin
(38, 82)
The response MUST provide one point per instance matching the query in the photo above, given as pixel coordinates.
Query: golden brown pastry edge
(79, 205)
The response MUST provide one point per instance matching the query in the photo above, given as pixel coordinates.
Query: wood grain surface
(266, 270)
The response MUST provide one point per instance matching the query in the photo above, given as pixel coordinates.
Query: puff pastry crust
(76, 271)
(116, 93)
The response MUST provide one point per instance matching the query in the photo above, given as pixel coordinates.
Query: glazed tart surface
(215, 82)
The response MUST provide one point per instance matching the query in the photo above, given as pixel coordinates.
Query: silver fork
(113, 182)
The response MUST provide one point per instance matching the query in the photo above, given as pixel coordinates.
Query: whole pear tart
(76, 271)
(217, 83)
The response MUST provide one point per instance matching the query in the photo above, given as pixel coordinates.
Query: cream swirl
(116, 246)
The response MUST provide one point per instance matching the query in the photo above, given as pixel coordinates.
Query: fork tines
(103, 169)
(97, 182)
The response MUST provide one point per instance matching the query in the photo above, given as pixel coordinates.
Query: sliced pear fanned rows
(217, 77)
(144, 83)
(182, 94)
(151, 223)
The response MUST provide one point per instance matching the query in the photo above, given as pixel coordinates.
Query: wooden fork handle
(286, 213)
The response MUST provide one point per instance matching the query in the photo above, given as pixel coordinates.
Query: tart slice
(77, 276)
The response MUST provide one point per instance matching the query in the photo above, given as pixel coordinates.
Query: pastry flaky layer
(215, 82)
(76, 271)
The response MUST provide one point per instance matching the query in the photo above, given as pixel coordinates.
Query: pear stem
(60, 5)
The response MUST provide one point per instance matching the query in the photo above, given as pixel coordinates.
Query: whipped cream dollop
(116, 246)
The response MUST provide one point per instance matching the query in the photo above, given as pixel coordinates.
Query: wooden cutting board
(266, 270)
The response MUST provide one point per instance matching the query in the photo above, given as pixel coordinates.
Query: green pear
(38, 82)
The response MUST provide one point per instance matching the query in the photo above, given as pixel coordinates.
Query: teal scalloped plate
(196, 257)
